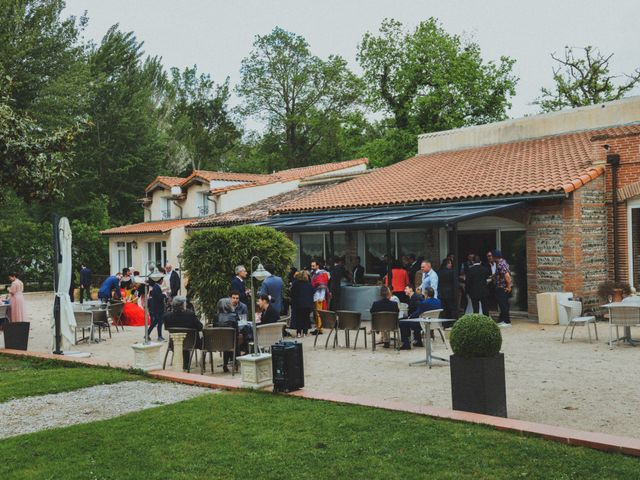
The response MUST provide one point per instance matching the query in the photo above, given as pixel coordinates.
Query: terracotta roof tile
(147, 227)
(167, 181)
(548, 164)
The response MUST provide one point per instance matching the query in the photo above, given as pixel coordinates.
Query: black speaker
(288, 366)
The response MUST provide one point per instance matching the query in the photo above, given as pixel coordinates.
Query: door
(514, 250)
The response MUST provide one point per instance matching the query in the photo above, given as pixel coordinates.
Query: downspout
(175, 202)
(215, 203)
(613, 159)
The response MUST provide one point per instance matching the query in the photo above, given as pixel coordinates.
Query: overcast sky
(216, 34)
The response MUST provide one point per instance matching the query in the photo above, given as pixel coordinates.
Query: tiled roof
(258, 210)
(559, 163)
(229, 176)
(310, 171)
(167, 181)
(147, 227)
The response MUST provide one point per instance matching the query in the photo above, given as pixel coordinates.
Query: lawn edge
(594, 440)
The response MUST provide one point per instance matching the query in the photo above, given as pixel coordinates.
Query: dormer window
(203, 204)
(166, 211)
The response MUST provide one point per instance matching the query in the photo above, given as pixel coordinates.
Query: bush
(210, 257)
(475, 335)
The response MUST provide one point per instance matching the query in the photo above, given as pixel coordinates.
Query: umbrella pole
(56, 279)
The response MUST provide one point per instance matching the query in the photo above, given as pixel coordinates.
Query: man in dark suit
(385, 304)
(180, 317)
(269, 313)
(357, 275)
(414, 299)
(477, 283)
(174, 280)
(85, 282)
(238, 284)
(336, 274)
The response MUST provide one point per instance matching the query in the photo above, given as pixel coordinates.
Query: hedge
(475, 335)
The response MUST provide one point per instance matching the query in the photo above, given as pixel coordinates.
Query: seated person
(429, 303)
(232, 305)
(385, 304)
(110, 288)
(414, 299)
(229, 311)
(180, 317)
(268, 312)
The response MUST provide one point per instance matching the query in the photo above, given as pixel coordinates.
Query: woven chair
(348, 321)
(114, 312)
(189, 344)
(384, 322)
(218, 339)
(330, 321)
(268, 334)
(404, 310)
(101, 320)
(84, 320)
(622, 316)
(574, 314)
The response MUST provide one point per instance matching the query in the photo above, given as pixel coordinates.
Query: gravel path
(31, 414)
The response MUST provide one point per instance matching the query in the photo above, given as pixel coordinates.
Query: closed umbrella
(67, 319)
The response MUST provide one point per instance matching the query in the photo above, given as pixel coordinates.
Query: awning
(383, 218)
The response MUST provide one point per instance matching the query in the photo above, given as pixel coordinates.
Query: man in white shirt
(429, 278)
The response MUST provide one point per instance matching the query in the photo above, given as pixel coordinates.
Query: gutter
(613, 159)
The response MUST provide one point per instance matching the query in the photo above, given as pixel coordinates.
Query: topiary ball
(475, 335)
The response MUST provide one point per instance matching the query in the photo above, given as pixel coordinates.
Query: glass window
(635, 246)
(376, 249)
(157, 253)
(412, 242)
(311, 246)
(125, 254)
(339, 245)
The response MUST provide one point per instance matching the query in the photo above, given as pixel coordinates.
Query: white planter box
(147, 357)
(256, 371)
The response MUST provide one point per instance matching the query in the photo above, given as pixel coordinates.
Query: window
(311, 246)
(375, 250)
(157, 252)
(203, 207)
(339, 245)
(124, 254)
(411, 242)
(166, 212)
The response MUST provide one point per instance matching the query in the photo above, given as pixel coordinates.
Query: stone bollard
(178, 341)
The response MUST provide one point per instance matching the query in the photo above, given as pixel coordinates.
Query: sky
(216, 35)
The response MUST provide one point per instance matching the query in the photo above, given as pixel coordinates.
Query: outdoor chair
(574, 314)
(348, 321)
(190, 344)
(114, 312)
(101, 320)
(329, 320)
(384, 322)
(622, 316)
(268, 334)
(218, 339)
(84, 320)
(431, 314)
(404, 310)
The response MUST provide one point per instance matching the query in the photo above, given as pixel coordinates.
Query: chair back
(84, 319)
(348, 320)
(114, 310)
(573, 308)
(189, 341)
(384, 321)
(219, 339)
(328, 318)
(431, 313)
(3, 311)
(625, 315)
(269, 334)
(631, 299)
(404, 310)
(99, 317)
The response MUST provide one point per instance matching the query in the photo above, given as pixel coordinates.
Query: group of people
(15, 299)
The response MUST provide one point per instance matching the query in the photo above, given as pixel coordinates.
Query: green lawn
(23, 377)
(253, 435)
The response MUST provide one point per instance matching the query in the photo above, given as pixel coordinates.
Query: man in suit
(385, 304)
(238, 284)
(85, 282)
(414, 267)
(173, 279)
(268, 313)
(180, 317)
(425, 305)
(110, 288)
(357, 274)
(414, 299)
(336, 273)
(273, 286)
(477, 282)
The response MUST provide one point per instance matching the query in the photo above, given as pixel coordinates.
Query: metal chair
(218, 339)
(268, 334)
(623, 316)
(431, 314)
(189, 344)
(384, 322)
(574, 314)
(101, 320)
(330, 321)
(84, 320)
(348, 320)
(114, 312)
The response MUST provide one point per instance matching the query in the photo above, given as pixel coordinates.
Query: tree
(584, 80)
(200, 121)
(429, 80)
(297, 94)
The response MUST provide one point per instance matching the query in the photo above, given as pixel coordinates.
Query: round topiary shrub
(475, 335)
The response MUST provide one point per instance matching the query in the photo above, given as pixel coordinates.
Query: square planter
(256, 370)
(16, 335)
(147, 356)
(478, 385)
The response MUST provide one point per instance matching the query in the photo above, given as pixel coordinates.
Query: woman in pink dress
(16, 299)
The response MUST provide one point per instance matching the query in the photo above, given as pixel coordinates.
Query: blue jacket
(273, 286)
(156, 301)
(238, 284)
(85, 277)
(426, 305)
(109, 285)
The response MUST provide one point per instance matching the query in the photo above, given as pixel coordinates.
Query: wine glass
(610, 298)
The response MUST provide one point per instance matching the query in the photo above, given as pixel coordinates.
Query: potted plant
(477, 366)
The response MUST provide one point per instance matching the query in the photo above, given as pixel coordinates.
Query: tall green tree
(428, 80)
(584, 79)
(299, 96)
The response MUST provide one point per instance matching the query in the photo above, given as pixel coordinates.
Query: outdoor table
(626, 337)
(427, 325)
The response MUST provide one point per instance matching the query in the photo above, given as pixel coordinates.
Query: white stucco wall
(157, 204)
(193, 201)
(238, 198)
(354, 169)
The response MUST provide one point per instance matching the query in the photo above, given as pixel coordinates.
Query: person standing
(446, 284)
(85, 282)
(413, 269)
(238, 284)
(429, 278)
(273, 287)
(503, 288)
(357, 272)
(478, 278)
(399, 281)
(301, 303)
(173, 280)
(490, 263)
(16, 299)
(156, 308)
(336, 274)
(319, 281)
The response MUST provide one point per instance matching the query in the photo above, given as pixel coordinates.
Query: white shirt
(430, 279)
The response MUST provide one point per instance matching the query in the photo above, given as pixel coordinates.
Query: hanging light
(260, 273)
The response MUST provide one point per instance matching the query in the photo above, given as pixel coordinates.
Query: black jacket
(358, 274)
(476, 281)
(182, 319)
(413, 303)
(85, 277)
(412, 270)
(302, 294)
(174, 283)
(238, 284)
(384, 305)
(445, 283)
(337, 273)
(270, 315)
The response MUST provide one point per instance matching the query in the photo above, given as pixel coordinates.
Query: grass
(254, 435)
(23, 377)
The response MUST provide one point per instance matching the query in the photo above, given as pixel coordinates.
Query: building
(558, 193)
(172, 203)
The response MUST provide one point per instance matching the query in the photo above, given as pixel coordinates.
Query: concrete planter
(147, 357)
(256, 371)
(478, 385)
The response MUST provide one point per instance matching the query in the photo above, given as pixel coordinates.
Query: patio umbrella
(67, 319)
